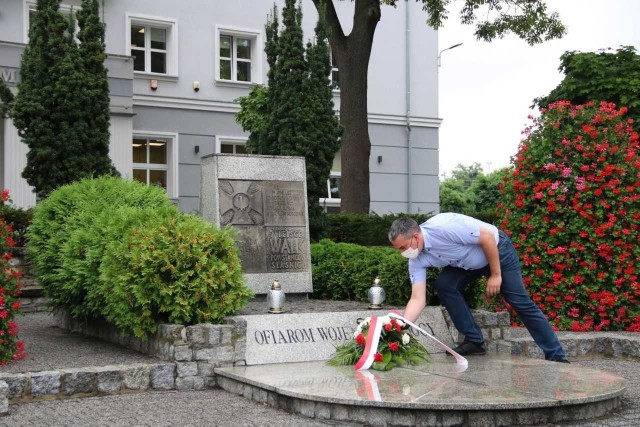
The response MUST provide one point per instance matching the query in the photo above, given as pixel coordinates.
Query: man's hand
(493, 284)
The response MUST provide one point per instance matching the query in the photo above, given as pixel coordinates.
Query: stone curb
(578, 345)
(83, 382)
(4, 400)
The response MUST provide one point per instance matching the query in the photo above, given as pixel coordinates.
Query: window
(331, 202)
(238, 56)
(231, 145)
(335, 77)
(155, 162)
(153, 45)
(32, 8)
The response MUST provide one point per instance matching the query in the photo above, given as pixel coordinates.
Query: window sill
(233, 83)
(155, 76)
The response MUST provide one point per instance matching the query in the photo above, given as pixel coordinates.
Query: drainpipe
(408, 106)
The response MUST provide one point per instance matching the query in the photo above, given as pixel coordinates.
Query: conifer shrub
(171, 268)
(120, 250)
(62, 243)
(572, 208)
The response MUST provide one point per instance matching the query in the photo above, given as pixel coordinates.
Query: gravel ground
(49, 347)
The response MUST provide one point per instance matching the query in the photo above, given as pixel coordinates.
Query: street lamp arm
(449, 48)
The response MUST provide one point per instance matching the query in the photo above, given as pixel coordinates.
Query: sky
(486, 89)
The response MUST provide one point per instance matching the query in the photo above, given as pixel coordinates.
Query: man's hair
(404, 226)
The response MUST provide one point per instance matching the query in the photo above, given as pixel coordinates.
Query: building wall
(192, 118)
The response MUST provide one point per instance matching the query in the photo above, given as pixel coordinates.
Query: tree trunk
(352, 54)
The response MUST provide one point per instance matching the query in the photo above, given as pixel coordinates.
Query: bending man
(468, 248)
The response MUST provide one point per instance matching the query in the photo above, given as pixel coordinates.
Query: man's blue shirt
(450, 239)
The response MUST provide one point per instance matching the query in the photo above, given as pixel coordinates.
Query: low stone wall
(496, 328)
(4, 400)
(82, 382)
(588, 344)
(196, 350)
(31, 297)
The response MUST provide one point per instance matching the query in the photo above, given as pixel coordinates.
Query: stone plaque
(284, 203)
(286, 249)
(263, 198)
(307, 337)
(250, 244)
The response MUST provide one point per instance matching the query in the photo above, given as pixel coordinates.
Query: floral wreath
(382, 343)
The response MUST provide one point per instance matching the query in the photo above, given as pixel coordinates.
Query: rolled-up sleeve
(417, 272)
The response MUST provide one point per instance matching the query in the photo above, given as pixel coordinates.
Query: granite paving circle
(494, 390)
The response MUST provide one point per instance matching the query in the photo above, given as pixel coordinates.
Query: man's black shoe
(470, 349)
(561, 360)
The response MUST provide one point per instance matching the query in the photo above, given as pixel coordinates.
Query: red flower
(378, 357)
(388, 327)
(394, 346)
(360, 339)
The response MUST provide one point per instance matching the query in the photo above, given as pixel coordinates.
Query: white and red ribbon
(371, 345)
(373, 338)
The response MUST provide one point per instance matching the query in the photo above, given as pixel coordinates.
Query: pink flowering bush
(10, 348)
(572, 208)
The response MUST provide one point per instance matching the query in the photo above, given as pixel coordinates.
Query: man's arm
(417, 302)
(490, 249)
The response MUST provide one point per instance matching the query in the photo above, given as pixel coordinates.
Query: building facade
(176, 70)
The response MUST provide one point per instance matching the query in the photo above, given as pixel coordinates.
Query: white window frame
(232, 140)
(171, 26)
(256, 55)
(172, 158)
(334, 67)
(331, 201)
(28, 4)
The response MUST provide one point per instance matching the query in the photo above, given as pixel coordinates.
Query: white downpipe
(408, 107)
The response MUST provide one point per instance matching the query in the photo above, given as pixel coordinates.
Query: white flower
(405, 338)
(365, 322)
(357, 332)
(386, 320)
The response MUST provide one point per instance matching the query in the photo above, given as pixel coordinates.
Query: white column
(15, 160)
(121, 130)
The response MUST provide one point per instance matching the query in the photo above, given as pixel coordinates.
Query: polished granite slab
(491, 382)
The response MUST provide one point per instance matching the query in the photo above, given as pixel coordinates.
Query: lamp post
(449, 48)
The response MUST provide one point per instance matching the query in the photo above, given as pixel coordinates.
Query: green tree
(611, 76)
(294, 115)
(454, 197)
(60, 96)
(324, 131)
(528, 19)
(466, 174)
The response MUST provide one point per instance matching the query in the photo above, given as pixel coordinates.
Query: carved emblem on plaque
(240, 202)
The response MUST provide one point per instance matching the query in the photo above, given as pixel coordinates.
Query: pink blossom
(566, 172)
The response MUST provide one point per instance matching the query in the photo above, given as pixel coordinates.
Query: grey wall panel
(383, 208)
(189, 204)
(396, 136)
(191, 122)
(394, 160)
(205, 143)
(11, 21)
(189, 178)
(425, 189)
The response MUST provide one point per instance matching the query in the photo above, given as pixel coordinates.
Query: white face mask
(411, 253)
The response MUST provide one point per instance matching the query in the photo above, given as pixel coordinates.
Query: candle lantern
(275, 298)
(376, 295)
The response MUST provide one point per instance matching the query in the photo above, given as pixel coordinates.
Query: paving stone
(45, 383)
(78, 381)
(137, 377)
(163, 376)
(109, 379)
(17, 384)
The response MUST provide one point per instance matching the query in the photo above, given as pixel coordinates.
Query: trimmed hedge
(365, 229)
(122, 251)
(344, 271)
